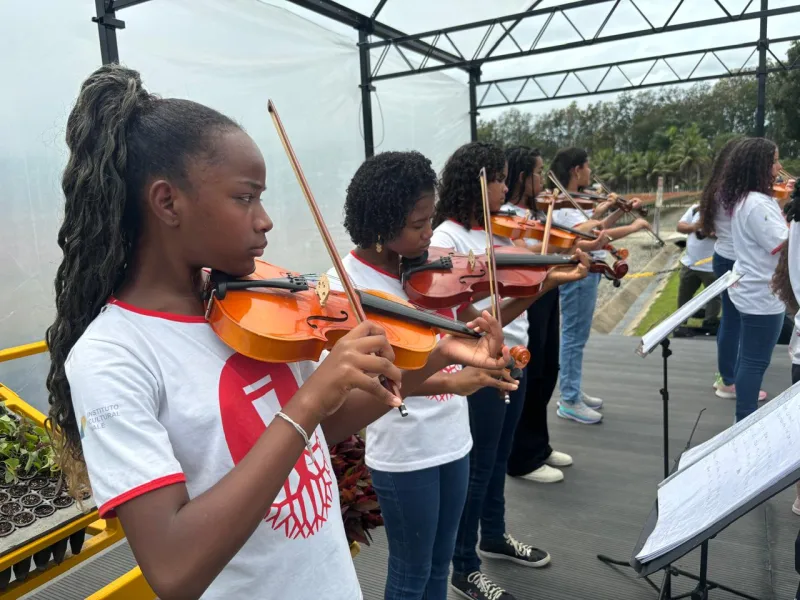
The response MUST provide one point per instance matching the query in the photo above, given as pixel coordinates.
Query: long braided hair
(119, 137)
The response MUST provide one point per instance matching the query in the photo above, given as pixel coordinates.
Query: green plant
(360, 509)
(25, 448)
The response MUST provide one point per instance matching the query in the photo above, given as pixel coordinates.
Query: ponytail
(781, 280)
(118, 136)
(563, 163)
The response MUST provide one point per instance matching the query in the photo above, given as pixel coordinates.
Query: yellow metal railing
(104, 532)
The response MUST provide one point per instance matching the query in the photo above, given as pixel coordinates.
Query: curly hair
(749, 169)
(119, 136)
(521, 161)
(382, 193)
(564, 161)
(781, 281)
(460, 187)
(708, 201)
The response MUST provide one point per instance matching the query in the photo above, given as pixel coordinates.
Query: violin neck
(408, 313)
(533, 260)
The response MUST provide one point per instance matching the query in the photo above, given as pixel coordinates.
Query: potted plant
(360, 509)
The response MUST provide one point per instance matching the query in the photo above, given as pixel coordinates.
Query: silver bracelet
(299, 429)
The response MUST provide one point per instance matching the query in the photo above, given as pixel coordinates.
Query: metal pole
(763, 43)
(474, 80)
(107, 25)
(366, 92)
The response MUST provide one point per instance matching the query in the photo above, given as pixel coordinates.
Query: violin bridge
(471, 260)
(323, 289)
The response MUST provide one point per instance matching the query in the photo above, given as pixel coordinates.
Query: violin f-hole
(341, 319)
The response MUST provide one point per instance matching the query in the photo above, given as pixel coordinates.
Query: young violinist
(717, 224)
(571, 167)
(758, 229)
(419, 463)
(532, 457)
(459, 224)
(216, 464)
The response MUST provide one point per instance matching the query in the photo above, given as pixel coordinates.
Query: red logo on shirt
(250, 393)
(445, 397)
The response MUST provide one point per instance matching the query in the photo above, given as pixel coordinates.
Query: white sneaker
(579, 412)
(544, 474)
(591, 401)
(795, 506)
(558, 459)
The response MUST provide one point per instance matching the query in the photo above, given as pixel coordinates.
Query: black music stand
(659, 336)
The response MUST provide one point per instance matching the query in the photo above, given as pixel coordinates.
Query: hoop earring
(379, 246)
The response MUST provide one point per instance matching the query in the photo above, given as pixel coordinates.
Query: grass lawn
(663, 306)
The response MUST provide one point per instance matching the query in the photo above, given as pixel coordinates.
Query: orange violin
(276, 315)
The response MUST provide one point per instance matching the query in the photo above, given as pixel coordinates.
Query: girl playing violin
(459, 221)
(532, 457)
(419, 464)
(758, 229)
(571, 167)
(216, 464)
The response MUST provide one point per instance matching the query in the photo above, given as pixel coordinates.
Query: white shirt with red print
(160, 399)
(436, 430)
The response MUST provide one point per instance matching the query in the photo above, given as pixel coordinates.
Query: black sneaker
(511, 549)
(478, 586)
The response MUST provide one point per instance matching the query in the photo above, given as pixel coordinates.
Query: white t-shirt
(453, 235)
(160, 399)
(758, 228)
(722, 230)
(571, 217)
(697, 249)
(436, 430)
(794, 277)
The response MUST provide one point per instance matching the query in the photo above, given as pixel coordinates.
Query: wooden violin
(442, 278)
(782, 189)
(510, 225)
(276, 315)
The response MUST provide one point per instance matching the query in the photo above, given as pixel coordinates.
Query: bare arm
(684, 227)
(620, 232)
(611, 219)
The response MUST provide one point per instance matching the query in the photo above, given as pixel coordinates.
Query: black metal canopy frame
(515, 90)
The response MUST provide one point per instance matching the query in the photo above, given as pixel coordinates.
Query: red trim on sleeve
(157, 314)
(779, 247)
(107, 510)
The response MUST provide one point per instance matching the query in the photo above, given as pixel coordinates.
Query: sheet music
(691, 456)
(653, 337)
(726, 475)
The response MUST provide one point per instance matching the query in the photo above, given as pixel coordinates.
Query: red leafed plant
(360, 509)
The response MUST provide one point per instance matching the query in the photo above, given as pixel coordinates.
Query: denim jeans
(421, 511)
(759, 335)
(578, 300)
(730, 327)
(493, 423)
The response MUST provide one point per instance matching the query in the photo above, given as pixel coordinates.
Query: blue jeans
(492, 423)
(578, 300)
(759, 335)
(730, 326)
(421, 511)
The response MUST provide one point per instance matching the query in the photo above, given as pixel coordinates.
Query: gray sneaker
(591, 401)
(579, 412)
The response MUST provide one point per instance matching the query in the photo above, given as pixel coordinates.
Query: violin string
(316, 276)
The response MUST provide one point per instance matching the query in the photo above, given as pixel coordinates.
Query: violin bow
(494, 292)
(608, 192)
(349, 291)
(563, 190)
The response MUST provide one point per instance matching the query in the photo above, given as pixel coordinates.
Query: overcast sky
(417, 16)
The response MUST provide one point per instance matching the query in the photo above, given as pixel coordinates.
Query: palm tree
(689, 152)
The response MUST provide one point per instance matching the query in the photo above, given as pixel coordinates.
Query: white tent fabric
(233, 56)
